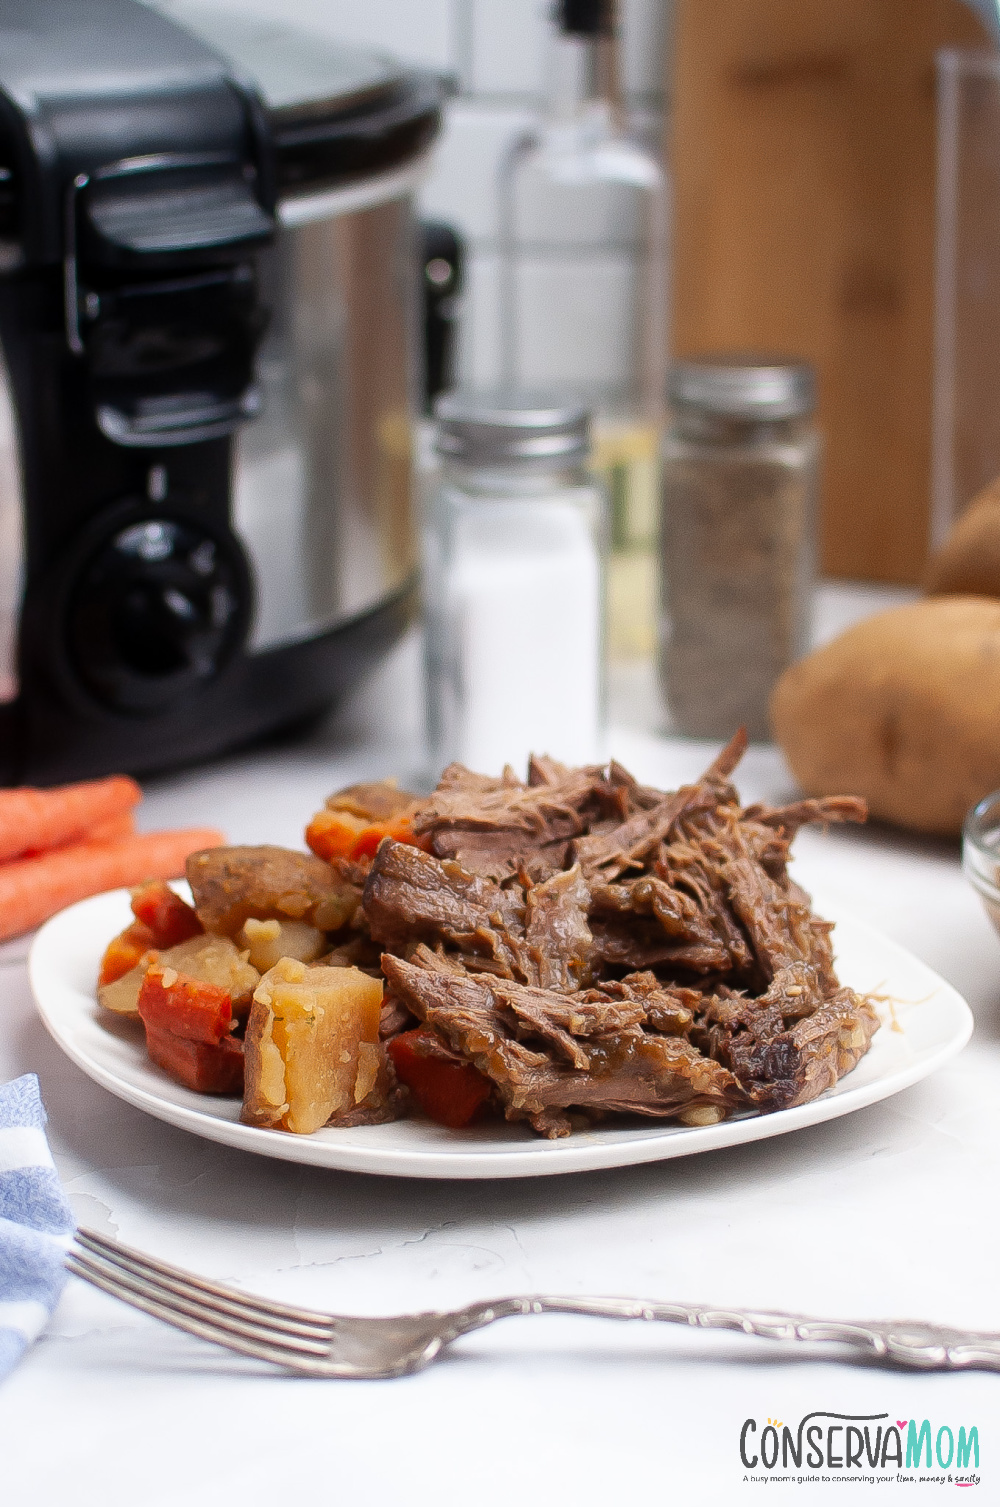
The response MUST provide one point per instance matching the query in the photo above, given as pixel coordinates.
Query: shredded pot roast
(594, 946)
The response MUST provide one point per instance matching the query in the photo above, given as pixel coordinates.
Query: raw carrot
(113, 830)
(36, 820)
(32, 889)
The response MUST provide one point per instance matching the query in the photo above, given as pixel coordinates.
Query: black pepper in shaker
(737, 537)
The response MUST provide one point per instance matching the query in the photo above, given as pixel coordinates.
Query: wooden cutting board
(803, 151)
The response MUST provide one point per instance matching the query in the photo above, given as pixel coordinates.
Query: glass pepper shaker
(513, 583)
(739, 484)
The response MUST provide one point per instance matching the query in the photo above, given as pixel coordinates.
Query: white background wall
(497, 53)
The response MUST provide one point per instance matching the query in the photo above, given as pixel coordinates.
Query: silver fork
(337, 1345)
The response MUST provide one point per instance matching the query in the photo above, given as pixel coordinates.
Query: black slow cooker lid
(337, 113)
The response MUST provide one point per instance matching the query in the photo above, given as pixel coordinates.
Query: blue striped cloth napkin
(35, 1221)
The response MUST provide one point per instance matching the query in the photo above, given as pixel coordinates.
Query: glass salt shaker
(737, 537)
(513, 584)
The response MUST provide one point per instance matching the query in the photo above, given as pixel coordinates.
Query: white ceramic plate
(933, 1021)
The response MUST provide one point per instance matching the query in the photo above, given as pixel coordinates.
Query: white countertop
(889, 1211)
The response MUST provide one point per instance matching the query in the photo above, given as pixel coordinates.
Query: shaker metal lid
(504, 425)
(743, 385)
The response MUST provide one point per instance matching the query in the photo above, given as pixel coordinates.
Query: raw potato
(969, 560)
(213, 960)
(903, 709)
(312, 1046)
(267, 941)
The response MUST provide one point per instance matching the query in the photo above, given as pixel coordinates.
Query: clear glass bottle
(513, 585)
(740, 465)
(583, 214)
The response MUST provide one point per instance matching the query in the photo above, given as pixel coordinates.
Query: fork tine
(232, 1300)
(222, 1310)
(222, 1314)
(114, 1283)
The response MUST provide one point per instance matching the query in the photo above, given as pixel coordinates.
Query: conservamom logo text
(858, 1442)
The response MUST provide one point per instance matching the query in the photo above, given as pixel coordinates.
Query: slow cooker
(209, 367)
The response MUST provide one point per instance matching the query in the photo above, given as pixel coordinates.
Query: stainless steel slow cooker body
(316, 520)
(322, 477)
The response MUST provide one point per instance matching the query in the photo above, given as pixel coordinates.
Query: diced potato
(312, 1047)
(216, 960)
(267, 941)
(212, 960)
(122, 994)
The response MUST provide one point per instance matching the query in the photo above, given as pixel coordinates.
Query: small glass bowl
(981, 853)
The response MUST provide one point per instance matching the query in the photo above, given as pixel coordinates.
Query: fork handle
(901, 1342)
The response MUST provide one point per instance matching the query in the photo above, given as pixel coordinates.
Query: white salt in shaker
(513, 584)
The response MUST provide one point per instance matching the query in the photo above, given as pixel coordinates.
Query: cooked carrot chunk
(124, 952)
(340, 834)
(187, 1030)
(196, 1064)
(448, 1091)
(169, 918)
(171, 1001)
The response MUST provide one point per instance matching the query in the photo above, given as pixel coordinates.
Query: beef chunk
(643, 944)
(792, 1066)
(358, 951)
(499, 828)
(547, 1053)
(558, 944)
(595, 946)
(629, 845)
(540, 936)
(669, 1008)
(611, 852)
(395, 1017)
(686, 927)
(412, 896)
(769, 830)
(788, 819)
(780, 925)
(629, 794)
(500, 855)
